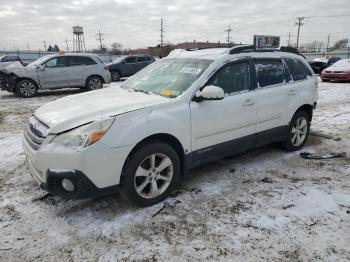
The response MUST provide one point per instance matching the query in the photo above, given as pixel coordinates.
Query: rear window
(299, 70)
(269, 72)
(10, 58)
(81, 60)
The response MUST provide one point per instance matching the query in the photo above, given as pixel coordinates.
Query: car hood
(75, 110)
(11, 67)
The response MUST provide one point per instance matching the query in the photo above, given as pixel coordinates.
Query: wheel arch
(165, 138)
(102, 79)
(306, 108)
(18, 78)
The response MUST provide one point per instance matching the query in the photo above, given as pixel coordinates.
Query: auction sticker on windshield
(191, 70)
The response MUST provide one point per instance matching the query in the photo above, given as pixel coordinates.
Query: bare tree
(342, 43)
(117, 48)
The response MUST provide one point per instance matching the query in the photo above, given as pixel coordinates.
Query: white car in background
(179, 112)
(55, 71)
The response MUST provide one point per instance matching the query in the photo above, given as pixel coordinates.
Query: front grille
(35, 132)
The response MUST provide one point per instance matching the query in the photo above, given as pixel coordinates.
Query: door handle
(248, 102)
(291, 92)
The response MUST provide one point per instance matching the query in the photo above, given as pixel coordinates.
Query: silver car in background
(56, 71)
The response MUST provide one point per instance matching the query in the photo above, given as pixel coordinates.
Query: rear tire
(150, 174)
(115, 76)
(93, 83)
(298, 131)
(26, 88)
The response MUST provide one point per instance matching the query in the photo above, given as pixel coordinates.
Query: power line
(288, 41)
(328, 38)
(67, 45)
(299, 24)
(99, 35)
(228, 30)
(161, 32)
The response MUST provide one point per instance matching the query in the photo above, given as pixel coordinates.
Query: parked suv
(56, 71)
(128, 65)
(184, 110)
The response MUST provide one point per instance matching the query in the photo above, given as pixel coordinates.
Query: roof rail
(252, 48)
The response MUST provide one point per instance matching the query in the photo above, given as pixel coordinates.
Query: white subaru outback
(186, 109)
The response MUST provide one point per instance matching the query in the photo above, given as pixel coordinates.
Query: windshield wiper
(139, 90)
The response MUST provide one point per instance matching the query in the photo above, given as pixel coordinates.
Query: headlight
(84, 135)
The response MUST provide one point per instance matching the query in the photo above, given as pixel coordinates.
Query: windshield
(168, 77)
(119, 59)
(39, 61)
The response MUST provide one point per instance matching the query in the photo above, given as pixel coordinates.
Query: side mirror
(209, 93)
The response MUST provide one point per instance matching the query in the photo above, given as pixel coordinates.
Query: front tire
(298, 131)
(93, 83)
(26, 88)
(150, 174)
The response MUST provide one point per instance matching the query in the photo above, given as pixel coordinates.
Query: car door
(54, 73)
(141, 62)
(273, 95)
(80, 68)
(302, 89)
(129, 66)
(227, 125)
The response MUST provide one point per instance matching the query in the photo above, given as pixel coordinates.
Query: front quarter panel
(169, 118)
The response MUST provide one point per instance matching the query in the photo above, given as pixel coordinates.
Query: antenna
(228, 30)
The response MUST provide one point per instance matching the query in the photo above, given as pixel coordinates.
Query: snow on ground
(263, 205)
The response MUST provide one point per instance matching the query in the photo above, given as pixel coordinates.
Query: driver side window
(55, 62)
(232, 78)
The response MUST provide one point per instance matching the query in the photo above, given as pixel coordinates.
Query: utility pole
(161, 32)
(99, 35)
(44, 46)
(299, 24)
(228, 30)
(27, 46)
(288, 41)
(328, 38)
(67, 47)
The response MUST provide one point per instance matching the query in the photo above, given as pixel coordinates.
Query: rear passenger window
(232, 78)
(299, 70)
(81, 60)
(141, 59)
(130, 59)
(269, 72)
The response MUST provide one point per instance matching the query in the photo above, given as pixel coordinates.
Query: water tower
(78, 39)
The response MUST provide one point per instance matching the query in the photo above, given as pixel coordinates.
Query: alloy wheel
(95, 83)
(153, 176)
(299, 131)
(27, 89)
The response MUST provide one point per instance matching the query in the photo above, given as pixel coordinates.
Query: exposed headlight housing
(84, 135)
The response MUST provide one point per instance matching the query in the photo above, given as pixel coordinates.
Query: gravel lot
(263, 205)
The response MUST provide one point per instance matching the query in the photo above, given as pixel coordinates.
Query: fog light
(67, 185)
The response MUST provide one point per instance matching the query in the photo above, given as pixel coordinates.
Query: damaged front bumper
(7, 82)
